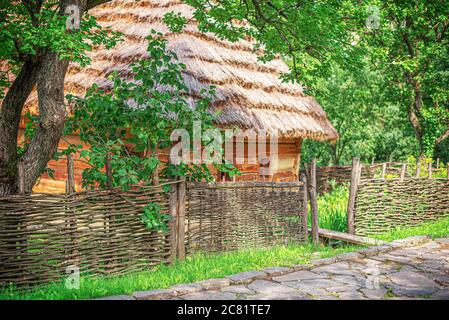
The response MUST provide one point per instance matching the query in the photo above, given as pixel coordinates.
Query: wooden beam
(70, 175)
(352, 194)
(350, 238)
(173, 209)
(21, 174)
(305, 211)
(181, 219)
(404, 169)
(313, 202)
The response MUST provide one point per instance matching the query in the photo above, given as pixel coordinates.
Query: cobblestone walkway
(408, 269)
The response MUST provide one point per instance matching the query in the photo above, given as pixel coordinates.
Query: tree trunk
(52, 113)
(10, 114)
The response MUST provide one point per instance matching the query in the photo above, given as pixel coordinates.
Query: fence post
(109, 171)
(404, 169)
(21, 174)
(173, 209)
(438, 163)
(181, 219)
(418, 168)
(447, 176)
(429, 173)
(155, 176)
(70, 174)
(384, 170)
(305, 211)
(313, 202)
(352, 193)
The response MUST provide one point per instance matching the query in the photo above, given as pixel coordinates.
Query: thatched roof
(249, 93)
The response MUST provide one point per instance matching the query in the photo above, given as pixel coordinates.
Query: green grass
(195, 268)
(332, 208)
(436, 229)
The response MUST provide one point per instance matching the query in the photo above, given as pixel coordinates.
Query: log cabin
(249, 93)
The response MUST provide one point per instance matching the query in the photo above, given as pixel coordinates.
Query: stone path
(413, 268)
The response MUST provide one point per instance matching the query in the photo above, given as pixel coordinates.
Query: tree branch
(444, 136)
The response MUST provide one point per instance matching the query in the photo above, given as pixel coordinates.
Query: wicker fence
(404, 197)
(228, 216)
(382, 205)
(101, 232)
(327, 175)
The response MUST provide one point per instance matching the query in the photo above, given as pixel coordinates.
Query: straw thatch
(249, 93)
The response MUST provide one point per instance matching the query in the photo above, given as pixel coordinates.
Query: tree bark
(10, 114)
(49, 74)
(52, 113)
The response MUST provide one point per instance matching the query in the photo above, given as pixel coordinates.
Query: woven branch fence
(229, 216)
(328, 175)
(383, 205)
(101, 232)
(401, 199)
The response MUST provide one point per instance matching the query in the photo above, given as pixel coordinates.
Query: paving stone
(246, 277)
(351, 295)
(322, 262)
(335, 268)
(299, 267)
(279, 296)
(368, 252)
(159, 294)
(185, 288)
(442, 240)
(269, 287)
(312, 284)
(345, 287)
(327, 297)
(357, 281)
(408, 283)
(214, 284)
(349, 256)
(209, 295)
(239, 289)
(118, 297)
(277, 271)
(299, 275)
(374, 293)
(399, 259)
(442, 294)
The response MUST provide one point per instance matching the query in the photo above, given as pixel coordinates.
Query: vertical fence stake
(21, 174)
(181, 219)
(404, 169)
(384, 170)
(352, 193)
(418, 168)
(429, 173)
(155, 176)
(173, 208)
(314, 202)
(447, 173)
(305, 211)
(70, 175)
(109, 171)
(438, 163)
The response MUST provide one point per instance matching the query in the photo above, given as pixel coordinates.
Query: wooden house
(249, 92)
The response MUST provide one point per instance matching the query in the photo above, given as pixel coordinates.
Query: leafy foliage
(153, 219)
